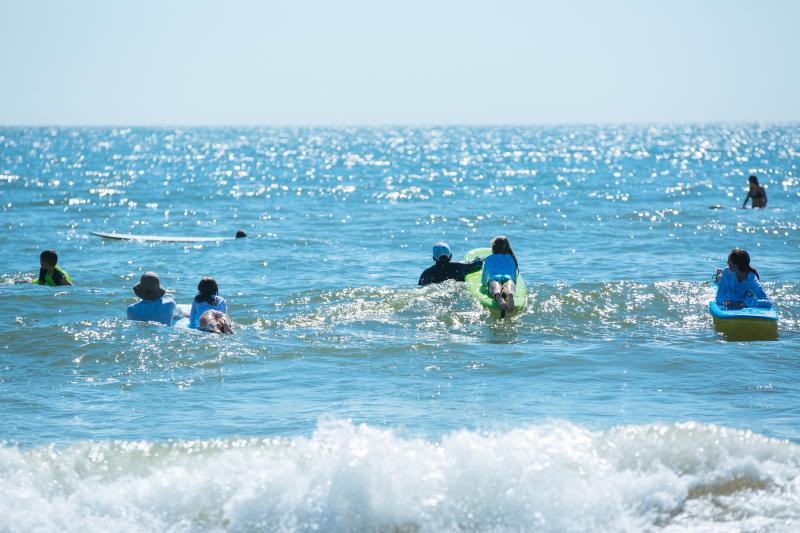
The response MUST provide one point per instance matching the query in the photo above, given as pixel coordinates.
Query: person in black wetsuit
(757, 194)
(445, 269)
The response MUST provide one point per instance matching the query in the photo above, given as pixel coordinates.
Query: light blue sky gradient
(413, 62)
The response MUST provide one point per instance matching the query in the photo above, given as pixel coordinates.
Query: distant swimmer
(757, 194)
(739, 285)
(444, 269)
(50, 273)
(500, 271)
(153, 307)
(207, 298)
(214, 321)
(240, 234)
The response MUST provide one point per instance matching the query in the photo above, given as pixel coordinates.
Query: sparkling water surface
(349, 398)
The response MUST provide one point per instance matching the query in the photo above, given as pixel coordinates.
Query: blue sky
(346, 62)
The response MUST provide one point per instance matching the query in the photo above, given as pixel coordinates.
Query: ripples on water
(615, 236)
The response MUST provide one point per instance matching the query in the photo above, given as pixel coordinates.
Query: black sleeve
(472, 266)
(59, 278)
(475, 264)
(425, 277)
(42, 274)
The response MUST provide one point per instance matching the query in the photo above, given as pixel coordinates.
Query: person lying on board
(207, 298)
(153, 307)
(500, 271)
(444, 268)
(213, 321)
(739, 285)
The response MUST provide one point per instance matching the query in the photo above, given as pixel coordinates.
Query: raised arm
(473, 266)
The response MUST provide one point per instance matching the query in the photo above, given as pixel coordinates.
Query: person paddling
(50, 273)
(207, 298)
(739, 285)
(500, 272)
(153, 307)
(444, 268)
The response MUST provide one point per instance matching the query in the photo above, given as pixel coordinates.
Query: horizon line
(420, 125)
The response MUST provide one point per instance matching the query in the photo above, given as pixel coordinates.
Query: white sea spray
(555, 476)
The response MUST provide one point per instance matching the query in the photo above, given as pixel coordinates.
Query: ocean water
(350, 399)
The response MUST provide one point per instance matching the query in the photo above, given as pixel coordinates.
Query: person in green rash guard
(50, 273)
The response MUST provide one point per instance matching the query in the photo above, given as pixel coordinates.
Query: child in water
(500, 272)
(50, 273)
(739, 285)
(206, 299)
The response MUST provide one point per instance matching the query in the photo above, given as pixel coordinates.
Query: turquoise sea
(350, 399)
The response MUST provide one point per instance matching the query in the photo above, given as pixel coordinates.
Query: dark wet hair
(50, 257)
(741, 259)
(207, 291)
(753, 180)
(501, 245)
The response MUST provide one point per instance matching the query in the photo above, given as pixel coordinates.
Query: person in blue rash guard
(153, 307)
(500, 272)
(445, 269)
(207, 298)
(740, 285)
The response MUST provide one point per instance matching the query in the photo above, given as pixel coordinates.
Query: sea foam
(554, 476)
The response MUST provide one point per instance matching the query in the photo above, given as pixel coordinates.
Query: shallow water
(349, 398)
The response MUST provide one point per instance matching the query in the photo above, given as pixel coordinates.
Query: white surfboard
(157, 238)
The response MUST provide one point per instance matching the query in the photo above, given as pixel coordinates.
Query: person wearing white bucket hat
(444, 269)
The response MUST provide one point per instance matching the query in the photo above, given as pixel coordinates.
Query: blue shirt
(201, 307)
(749, 291)
(161, 310)
(498, 265)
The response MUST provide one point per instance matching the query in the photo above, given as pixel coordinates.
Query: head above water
(48, 258)
(741, 260)
(441, 252)
(753, 180)
(501, 245)
(149, 287)
(207, 290)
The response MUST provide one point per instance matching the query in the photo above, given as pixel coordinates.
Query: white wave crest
(549, 477)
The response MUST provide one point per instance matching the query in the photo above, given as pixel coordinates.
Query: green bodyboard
(473, 282)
